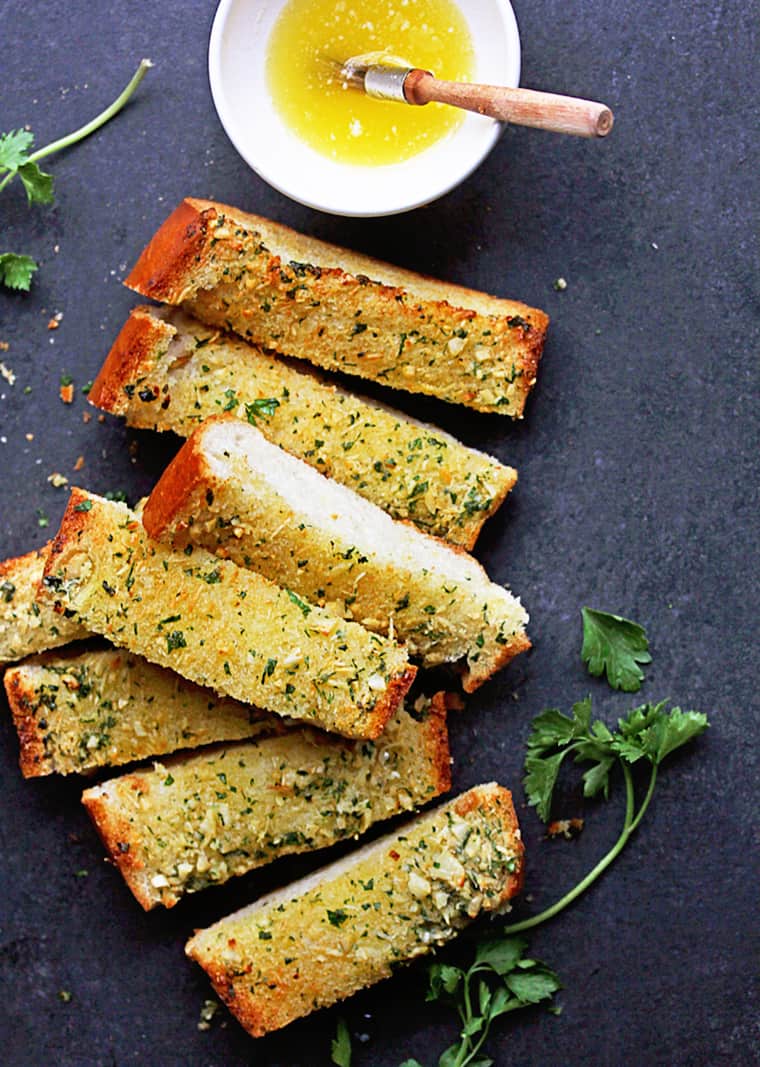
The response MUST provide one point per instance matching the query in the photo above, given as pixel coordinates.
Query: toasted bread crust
(116, 833)
(267, 986)
(101, 562)
(355, 314)
(166, 260)
(141, 337)
(167, 371)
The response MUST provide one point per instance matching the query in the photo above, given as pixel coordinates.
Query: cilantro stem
(630, 824)
(89, 127)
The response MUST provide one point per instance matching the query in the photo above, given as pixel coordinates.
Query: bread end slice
(162, 268)
(141, 338)
(346, 926)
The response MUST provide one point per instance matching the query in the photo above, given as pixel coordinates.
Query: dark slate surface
(637, 494)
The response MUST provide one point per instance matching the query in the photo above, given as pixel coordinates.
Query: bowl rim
(442, 179)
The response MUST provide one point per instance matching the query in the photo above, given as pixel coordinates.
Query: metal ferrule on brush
(386, 83)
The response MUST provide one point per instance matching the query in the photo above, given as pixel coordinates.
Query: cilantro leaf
(14, 149)
(614, 646)
(16, 271)
(38, 184)
(340, 1049)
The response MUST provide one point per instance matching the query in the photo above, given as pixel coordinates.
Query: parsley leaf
(14, 149)
(340, 1049)
(262, 406)
(615, 646)
(38, 184)
(16, 271)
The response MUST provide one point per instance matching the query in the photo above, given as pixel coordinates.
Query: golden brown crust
(396, 690)
(177, 485)
(133, 349)
(32, 760)
(161, 268)
(118, 839)
(472, 678)
(437, 741)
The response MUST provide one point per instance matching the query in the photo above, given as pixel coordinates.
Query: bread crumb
(4, 346)
(567, 828)
(55, 322)
(29, 436)
(560, 285)
(86, 416)
(208, 1012)
(101, 418)
(67, 394)
(57, 480)
(79, 463)
(6, 372)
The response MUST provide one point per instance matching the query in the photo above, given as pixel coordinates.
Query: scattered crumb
(86, 388)
(7, 373)
(64, 995)
(57, 480)
(560, 285)
(86, 416)
(55, 322)
(27, 390)
(29, 436)
(655, 246)
(56, 249)
(42, 519)
(208, 1012)
(79, 463)
(567, 828)
(82, 873)
(101, 418)
(4, 346)
(67, 394)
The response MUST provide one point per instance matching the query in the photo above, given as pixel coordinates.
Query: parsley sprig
(502, 979)
(17, 160)
(649, 733)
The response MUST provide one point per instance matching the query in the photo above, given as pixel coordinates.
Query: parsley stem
(630, 824)
(99, 120)
(90, 127)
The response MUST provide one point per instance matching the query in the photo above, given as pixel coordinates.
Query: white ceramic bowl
(237, 54)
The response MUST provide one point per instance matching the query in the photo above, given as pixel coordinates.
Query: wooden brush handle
(522, 107)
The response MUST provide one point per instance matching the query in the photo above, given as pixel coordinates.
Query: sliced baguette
(219, 625)
(235, 494)
(343, 311)
(78, 711)
(26, 626)
(346, 926)
(198, 820)
(167, 371)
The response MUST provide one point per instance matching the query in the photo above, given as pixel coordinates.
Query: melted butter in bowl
(369, 169)
(312, 38)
